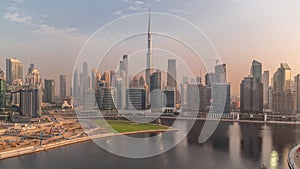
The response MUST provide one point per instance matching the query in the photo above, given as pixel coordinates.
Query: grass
(122, 126)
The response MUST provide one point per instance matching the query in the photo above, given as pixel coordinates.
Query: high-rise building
(155, 81)
(297, 95)
(2, 75)
(63, 86)
(209, 79)
(30, 102)
(220, 73)
(171, 76)
(136, 99)
(33, 77)
(266, 85)
(14, 71)
(185, 80)
(183, 93)
(198, 80)
(251, 95)
(89, 99)
(196, 97)
(149, 69)
(85, 77)
(220, 91)
(76, 86)
(106, 78)
(2, 93)
(105, 97)
(155, 92)
(282, 79)
(124, 67)
(221, 98)
(93, 79)
(169, 98)
(209, 82)
(256, 69)
(49, 91)
(121, 90)
(282, 94)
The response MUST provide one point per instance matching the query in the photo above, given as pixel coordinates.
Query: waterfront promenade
(35, 149)
(294, 158)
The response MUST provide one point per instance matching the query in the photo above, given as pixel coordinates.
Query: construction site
(52, 128)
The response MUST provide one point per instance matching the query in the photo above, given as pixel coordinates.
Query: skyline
(62, 34)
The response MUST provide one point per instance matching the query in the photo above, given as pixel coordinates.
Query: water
(233, 146)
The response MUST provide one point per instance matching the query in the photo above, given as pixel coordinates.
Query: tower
(63, 86)
(14, 71)
(149, 69)
(256, 69)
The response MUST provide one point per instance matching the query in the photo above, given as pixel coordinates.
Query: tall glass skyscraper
(282, 94)
(256, 69)
(63, 86)
(14, 70)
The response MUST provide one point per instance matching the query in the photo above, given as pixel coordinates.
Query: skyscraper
(220, 90)
(171, 76)
(31, 67)
(63, 86)
(220, 73)
(14, 70)
(76, 86)
(266, 84)
(196, 97)
(149, 69)
(121, 90)
(124, 68)
(49, 91)
(2, 93)
(282, 94)
(30, 102)
(106, 78)
(86, 78)
(282, 79)
(155, 91)
(2, 74)
(136, 99)
(251, 95)
(256, 69)
(33, 77)
(93, 79)
(297, 95)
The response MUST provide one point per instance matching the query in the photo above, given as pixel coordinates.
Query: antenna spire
(149, 21)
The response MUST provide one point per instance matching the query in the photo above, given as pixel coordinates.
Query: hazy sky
(51, 33)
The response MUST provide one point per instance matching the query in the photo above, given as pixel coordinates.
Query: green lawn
(121, 126)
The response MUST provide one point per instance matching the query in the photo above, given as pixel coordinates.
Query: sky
(51, 34)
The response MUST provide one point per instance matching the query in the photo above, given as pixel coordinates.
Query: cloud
(138, 2)
(17, 1)
(16, 17)
(12, 9)
(133, 8)
(45, 30)
(118, 12)
(177, 10)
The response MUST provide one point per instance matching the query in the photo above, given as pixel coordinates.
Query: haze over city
(52, 33)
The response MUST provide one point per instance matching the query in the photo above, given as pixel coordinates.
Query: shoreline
(36, 149)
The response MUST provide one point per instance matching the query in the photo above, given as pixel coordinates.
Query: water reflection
(232, 146)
